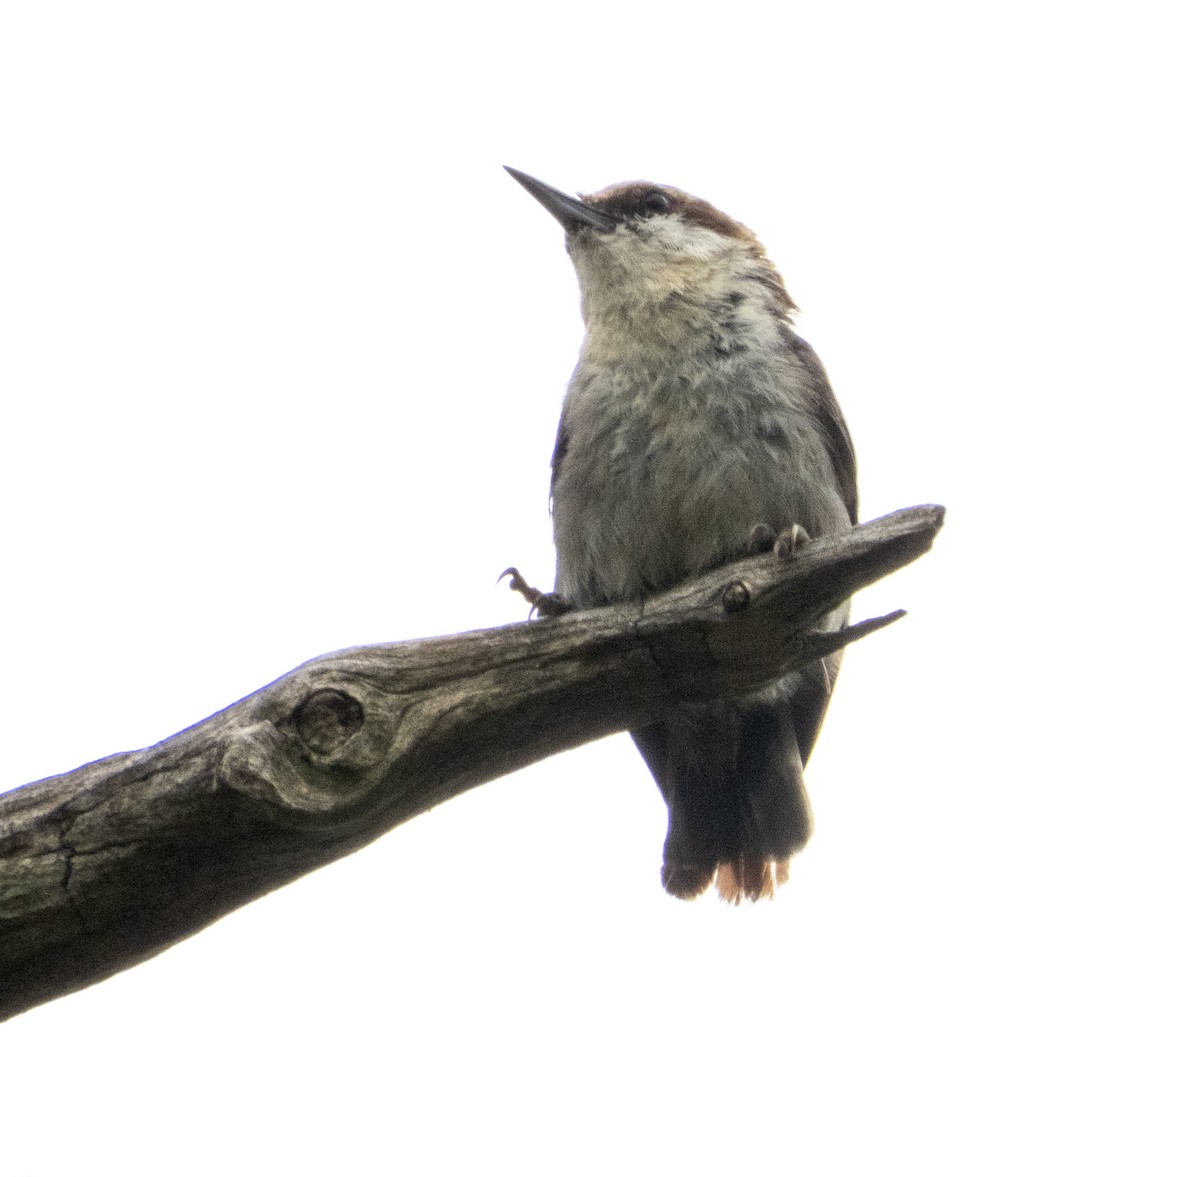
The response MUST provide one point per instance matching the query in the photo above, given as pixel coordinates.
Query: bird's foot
(761, 539)
(784, 543)
(790, 541)
(543, 604)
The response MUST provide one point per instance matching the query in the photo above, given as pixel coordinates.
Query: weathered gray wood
(109, 864)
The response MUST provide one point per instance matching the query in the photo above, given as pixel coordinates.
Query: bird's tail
(732, 776)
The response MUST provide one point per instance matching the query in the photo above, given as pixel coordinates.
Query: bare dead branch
(105, 866)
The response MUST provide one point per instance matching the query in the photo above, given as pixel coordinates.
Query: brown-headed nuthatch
(697, 426)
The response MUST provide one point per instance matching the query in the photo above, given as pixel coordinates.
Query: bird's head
(640, 249)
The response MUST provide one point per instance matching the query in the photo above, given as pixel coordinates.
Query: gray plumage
(695, 414)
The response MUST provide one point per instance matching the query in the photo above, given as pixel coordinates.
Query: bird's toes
(543, 604)
(551, 605)
(761, 539)
(764, 538)
(790, 541)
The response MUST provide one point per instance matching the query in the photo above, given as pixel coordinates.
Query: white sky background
(282, 355)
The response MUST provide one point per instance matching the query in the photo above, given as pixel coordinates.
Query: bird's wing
(811, 699)
(831, 425)
(560, 452)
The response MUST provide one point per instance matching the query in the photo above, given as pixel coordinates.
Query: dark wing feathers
(560, 452)
(811, 700)
(832, 426)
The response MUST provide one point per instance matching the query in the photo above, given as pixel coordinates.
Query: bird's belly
(641, 508)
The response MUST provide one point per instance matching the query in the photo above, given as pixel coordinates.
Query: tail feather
(732, 777)
(686, 881)
(751, 879)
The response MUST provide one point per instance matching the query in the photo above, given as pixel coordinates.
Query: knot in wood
(327, 719)
(736, 597)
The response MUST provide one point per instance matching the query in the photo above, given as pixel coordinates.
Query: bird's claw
(543, 604)
(784, 543)
(790, 541)
(761, 539)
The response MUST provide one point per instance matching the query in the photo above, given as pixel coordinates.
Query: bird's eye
(655, 202)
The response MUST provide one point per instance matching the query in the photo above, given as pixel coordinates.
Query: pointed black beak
(572, 214)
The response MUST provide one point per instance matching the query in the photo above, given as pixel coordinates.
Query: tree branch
(105, 866)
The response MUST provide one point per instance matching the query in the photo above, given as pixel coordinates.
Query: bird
(697, 428)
